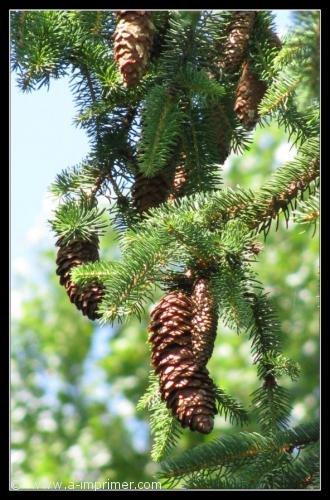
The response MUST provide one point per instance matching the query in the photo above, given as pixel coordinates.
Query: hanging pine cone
(179, 180)
(185, 386)
(222, 126)
(204, 321)
(238, 39)
(77, 252)
(133, 39)
(249, 93)
(148, 192)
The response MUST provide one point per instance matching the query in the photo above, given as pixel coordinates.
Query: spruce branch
(132, 281)
(198, 82)
(218, 481)
(94, 271)
(299, 473)
(150, 397)
(271, 405)
(228, 406)
(308, 212)
(201, 147)
(77, 219)
(277, 365)
(278, 94)
(229, 451)
(165, 429)
(161, 122)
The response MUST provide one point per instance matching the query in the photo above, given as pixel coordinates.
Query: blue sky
(44, 141)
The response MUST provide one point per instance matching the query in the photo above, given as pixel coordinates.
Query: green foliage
(238, 450)
(228, 406)
(163, 426)
(293, 94)
(308, 212)
(198, 82)
(77, 220)
(161, 120)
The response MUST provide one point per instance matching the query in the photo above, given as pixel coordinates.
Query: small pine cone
(204, 321)
(218, 120)
(249, 93)
(133, 39)
(148, 192)
(185, 386)
(179, 180)
(238, 39)
(224, 130)
(75, 253)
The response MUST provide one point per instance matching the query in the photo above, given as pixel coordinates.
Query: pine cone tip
(202, 423)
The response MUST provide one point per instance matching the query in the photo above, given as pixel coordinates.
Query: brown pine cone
(148, 192)
(185, 386)
(204, 321)
(133, 39)
(249, 93)
(238, 39)
(75, 253)
(179, 180)
(221, 124)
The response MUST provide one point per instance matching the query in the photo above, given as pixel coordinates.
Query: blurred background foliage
(75, 385)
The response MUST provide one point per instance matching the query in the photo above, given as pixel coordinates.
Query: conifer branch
(164, 427)
(308, 212)
(76, 219)
(228, 406)
(236, 450)
(161, 124)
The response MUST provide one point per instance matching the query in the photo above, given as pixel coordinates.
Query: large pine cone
(148, 192)
(238, 39)
(184, 385)
(75, 253)
(133, 40)
(204, 321)
(249, 93)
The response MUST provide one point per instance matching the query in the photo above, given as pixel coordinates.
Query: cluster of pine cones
(183, 324)
(182, 334)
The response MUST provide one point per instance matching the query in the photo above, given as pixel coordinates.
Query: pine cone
(148, 192)
(225, 131)
(238, 39)
(185, 386)
(133, 39)
(204, 321)
(75, 253)
(249, 93)
(179, 180)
